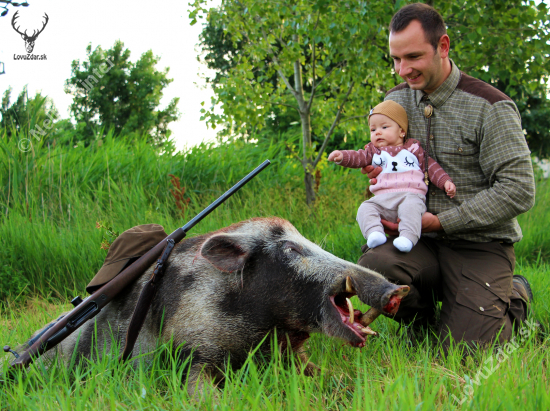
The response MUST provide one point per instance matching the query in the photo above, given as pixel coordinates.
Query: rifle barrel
(225, 196)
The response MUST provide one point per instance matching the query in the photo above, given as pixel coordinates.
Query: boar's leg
(202, 381)
(293, 345)
(310, 368)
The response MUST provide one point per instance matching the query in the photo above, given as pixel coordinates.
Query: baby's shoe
(375, 239)
(403, 244)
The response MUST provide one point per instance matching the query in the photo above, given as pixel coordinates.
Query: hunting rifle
(88, 308)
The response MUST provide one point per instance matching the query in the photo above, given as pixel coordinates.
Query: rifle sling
(144, 302)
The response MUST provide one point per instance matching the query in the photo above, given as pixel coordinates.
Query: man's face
(416, 61)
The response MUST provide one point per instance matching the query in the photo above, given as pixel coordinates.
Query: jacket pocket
(488, 305)
(461, 150)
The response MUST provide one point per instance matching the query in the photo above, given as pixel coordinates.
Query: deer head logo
(29, 40)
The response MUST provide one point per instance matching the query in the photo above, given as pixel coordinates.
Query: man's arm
(505, 160)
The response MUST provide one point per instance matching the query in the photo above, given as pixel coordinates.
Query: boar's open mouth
(350, 317)
(354, 319)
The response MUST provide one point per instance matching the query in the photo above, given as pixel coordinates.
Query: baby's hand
(336, 156)
(450, 188)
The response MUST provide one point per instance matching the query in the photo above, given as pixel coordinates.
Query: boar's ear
(226, 252)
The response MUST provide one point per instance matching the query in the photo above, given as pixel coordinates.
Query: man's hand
(336, 156)
(430, 223)
(450, 188)
(372, 173)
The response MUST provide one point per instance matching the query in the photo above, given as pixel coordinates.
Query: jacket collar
(444, 91)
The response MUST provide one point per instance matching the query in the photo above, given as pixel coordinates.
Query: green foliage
(111, 92)
(254, 46)
(21, 116)
(296, 56)
(507, 46)
(269, 38)
(505, 43)
(535, 116)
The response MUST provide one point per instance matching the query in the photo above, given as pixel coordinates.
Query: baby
(400, 190)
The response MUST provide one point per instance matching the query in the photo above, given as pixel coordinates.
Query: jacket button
(460, 149)
(433, 193)
(487, 284)
(481, 309)
(431, 136)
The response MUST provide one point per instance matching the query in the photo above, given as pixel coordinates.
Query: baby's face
(385, 132)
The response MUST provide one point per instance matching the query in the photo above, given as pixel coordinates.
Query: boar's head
(277, 279)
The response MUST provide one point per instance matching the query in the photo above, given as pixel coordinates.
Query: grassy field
(52, 197)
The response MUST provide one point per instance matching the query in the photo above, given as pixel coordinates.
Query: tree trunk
(305, 119)
(309, 182)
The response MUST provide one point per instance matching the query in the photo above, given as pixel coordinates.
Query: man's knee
(477, 317)
(419, 266)
(379, 259)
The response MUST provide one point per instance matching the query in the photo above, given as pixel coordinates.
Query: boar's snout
(376, 291)
(392, 298)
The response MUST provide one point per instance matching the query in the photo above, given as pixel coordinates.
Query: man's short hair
(431, 21)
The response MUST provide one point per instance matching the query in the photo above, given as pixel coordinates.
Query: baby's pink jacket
(412, 181)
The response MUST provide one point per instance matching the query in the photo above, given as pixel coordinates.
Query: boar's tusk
(368, 331)
(351, 313)
(371, 315)
(349, 286)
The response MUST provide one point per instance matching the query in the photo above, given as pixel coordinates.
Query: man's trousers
(472, 280)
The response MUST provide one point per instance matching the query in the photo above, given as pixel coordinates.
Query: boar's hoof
(311, 370)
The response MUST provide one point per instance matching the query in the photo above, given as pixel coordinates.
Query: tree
(24, 113)
(328, 61)
(220, 54)
(535, 116)
(324, 67)
(34, 118)
(109, 91)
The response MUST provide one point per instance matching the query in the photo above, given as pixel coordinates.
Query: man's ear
(226, 252)
(443, 46)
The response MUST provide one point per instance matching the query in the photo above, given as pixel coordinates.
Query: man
(465, 258)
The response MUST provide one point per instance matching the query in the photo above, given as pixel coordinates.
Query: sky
(161, 26)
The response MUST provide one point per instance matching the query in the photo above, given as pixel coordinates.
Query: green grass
(387, 374)
(52, 197)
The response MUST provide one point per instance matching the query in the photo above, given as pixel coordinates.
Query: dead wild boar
(223, 292)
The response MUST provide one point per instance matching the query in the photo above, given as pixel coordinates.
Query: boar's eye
(290, 247)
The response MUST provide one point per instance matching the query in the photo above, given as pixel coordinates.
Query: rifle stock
(93, 304)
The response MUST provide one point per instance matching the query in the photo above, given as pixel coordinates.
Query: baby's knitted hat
(394, 111)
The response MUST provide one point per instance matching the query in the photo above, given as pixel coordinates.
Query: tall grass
(52, 197)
